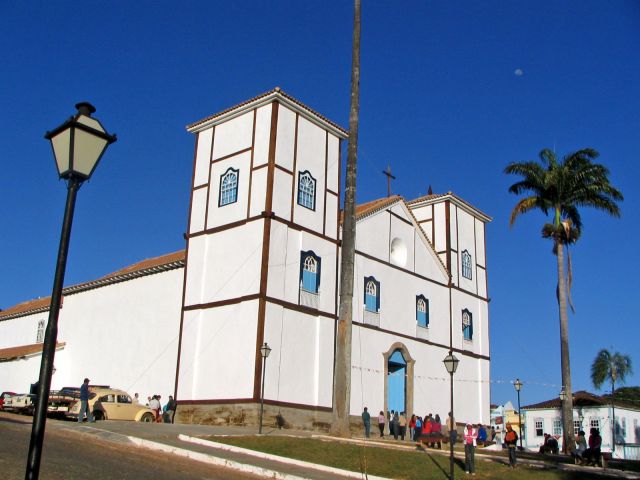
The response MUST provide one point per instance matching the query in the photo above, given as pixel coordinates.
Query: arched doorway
(398, 382)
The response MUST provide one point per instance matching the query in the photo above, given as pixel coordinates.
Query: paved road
(70, 455)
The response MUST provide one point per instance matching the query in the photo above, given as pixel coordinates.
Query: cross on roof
(387, 172)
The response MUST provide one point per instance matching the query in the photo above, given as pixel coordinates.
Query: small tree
(613, 367)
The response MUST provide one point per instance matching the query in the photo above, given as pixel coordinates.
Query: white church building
(261, 264)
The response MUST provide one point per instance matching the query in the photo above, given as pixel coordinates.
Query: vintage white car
(20, 403)
(113, 404)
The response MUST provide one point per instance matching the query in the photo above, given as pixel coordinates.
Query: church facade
(261, 265)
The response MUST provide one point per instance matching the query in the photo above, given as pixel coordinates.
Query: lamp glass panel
(60, 144)
(87, 151)
(91, 122)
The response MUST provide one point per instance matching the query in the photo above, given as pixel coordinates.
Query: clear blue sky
(440, 102)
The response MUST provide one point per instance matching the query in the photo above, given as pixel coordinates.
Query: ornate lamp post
(518, 385)
(78, 145)
(265, 350)
(451, 364)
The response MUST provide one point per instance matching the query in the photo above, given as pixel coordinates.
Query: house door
(396, 382)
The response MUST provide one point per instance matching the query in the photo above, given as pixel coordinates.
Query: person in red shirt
(470, 435)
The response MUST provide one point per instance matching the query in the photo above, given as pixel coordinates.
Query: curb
(268, 456)
(205, 458)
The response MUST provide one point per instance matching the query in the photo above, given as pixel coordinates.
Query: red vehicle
(3, 396)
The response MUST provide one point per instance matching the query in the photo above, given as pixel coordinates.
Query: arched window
(467, 324)
(466, 265)
(228, 187)
(371, 294)
(306, 190)
(40, 333)
(309, 272)
(422, 311)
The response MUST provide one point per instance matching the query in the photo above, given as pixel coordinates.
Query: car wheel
(147, 418)
(98, 415)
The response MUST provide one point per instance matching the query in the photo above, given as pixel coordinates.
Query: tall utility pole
(342, 366)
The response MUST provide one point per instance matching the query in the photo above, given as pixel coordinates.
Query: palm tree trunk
(342, 365)
(613, 414)
(567, 405)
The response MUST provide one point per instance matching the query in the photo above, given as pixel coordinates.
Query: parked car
(19, 403)
(4, 396)
(113, 404)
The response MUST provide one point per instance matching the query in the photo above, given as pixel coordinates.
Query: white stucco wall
(124, 335)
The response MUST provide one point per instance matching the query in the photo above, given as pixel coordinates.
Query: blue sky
(440, 102)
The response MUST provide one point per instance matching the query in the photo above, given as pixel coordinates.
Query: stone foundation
(248, 414)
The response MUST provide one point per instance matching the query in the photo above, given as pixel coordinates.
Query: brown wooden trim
(409, 272)
(295, 165)
(199, 187)
(486, 276)
(228, 226)
(441, 252)
(300, 228)
(326, 169)
(447, 224)
(474, 295)
(239, 152)
(301, 308)
(266, 240)
(482, 267)
(332, 192)
(433, 226)
(475, 252)
(420, 222)
(253, 143)
(285, 170)
(421, 340)
(457, 249)
(221, 303)
(264, 165)
(235, 401)
(206, 207)
(184, 272)
(400, 218)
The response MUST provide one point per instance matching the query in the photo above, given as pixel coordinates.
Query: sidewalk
(187, 441)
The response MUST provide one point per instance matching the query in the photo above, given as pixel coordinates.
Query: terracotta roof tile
(13, 353)
(279, 91)
(145, 267)
(373, 206)
(581, 398)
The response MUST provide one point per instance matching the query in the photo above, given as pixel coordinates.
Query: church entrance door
(396, 382)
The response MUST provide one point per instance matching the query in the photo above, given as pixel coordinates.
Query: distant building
(589, 411)
(503, 414)
(261, 265)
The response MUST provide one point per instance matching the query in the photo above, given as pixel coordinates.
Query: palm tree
(342, 363)
(613, 367)
(559, 188)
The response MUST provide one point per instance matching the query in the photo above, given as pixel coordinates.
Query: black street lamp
(451, 364)
(518, 385)
(265, 350)
(78, 145)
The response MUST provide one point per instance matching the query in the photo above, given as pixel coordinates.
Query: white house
(589, 411)
(262, 265)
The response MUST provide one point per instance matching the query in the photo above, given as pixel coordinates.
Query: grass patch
(390, 463)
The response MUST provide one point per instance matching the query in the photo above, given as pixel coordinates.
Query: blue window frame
(422, 310)
(306, 190)
(228, 187)
(466, 265)
(467, 324)
(310, 272)
(371, 294)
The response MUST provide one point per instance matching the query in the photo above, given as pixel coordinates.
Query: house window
(576, 427)
(309, 272)
(467, 324)
(539, 428)
(466, 264)
(422, 311)
(371, 294)
(306, 190)
(557, 427)
(228, 187)
(40, 332)
(594, 423)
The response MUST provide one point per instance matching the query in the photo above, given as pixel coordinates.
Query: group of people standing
(162, 414)
(396, 423)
